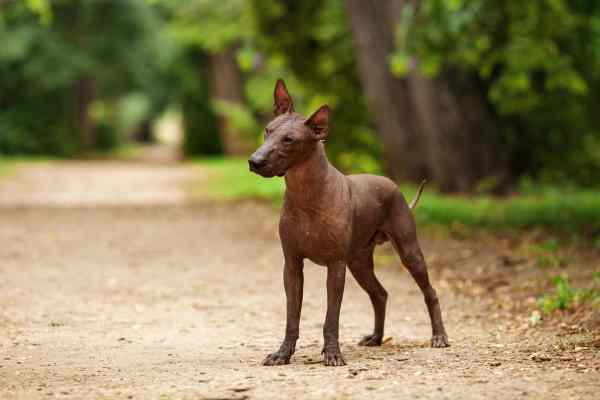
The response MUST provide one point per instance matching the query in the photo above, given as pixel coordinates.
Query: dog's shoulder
(372, 183)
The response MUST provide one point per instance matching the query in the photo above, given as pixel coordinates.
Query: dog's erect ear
(283, 101)
(319, 122)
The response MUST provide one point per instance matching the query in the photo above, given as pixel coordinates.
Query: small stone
(240, 389)
(540, 357)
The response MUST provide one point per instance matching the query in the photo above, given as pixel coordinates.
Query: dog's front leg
(336, 279)
(293, 281)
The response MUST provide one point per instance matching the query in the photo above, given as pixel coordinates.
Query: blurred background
(480, 97)
(136, 261)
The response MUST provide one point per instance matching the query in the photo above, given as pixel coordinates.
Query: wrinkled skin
(335, 221)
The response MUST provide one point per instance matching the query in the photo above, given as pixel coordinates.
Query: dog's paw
(277, 358)
(333, 357)
(439, 341)
(371, 340)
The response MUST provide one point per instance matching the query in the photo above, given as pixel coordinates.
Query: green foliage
(49, 45)
(199, 28)
(107, 137)
(566, 297)
(309, 44)
(202, 135)
(240, 116)
(199, 120)
(35, 123)
(539, 65)
(562, 298)
(211, 25)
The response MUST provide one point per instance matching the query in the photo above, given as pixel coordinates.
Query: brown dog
(335, 221)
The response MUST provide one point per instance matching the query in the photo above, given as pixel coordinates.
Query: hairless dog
(335, 221)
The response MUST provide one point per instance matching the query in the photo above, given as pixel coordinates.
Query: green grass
(565, 297)
(231, 180)
(554, 209)
(4, 168)
(8, 165)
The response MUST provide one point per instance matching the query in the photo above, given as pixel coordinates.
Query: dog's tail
(415, 200)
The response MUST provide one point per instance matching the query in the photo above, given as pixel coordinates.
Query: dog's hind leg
(403, 234)
(361, 268)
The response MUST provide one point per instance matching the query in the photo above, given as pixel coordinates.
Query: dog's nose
(256, 163)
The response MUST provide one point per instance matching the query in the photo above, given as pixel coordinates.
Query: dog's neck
(311, 178)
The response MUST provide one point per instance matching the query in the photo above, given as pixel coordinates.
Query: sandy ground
(113, 285)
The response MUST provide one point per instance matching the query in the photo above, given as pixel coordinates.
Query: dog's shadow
(390, 349)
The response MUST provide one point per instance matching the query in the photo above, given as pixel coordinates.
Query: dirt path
(112, 286)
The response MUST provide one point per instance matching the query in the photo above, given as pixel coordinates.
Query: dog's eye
(288, 139)
(267, 131)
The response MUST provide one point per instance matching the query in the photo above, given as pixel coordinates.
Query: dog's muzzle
(256, 164)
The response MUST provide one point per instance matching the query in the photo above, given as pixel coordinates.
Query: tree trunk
(461, 135)
(84, 93)
(373, 23)
(143, 133)
(441, 129)
(226, 85)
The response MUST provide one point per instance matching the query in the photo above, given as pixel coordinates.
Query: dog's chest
(323, 236)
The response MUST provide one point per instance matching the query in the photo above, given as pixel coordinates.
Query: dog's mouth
(266, 173)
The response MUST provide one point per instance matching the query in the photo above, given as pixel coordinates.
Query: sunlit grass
(571, 211)
(4, 168)
(8, 165)
(230, 179)
(568, 210)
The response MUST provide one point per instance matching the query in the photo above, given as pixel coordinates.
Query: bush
(37, 125)
(538, 64)
(107, 137)
(201, 133)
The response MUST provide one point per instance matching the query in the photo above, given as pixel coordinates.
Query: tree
(536, 64)
(309, 44)
(214, 30)
(65, 50)
(437, 128)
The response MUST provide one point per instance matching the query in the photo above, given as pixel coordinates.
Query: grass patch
(554, 209)
(231, 180)
(566, 297)
(570, 211)
(8, 165)
(4, 168)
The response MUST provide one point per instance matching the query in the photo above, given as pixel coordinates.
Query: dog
(335, 221)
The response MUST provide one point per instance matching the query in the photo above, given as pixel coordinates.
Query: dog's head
(290, 137)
